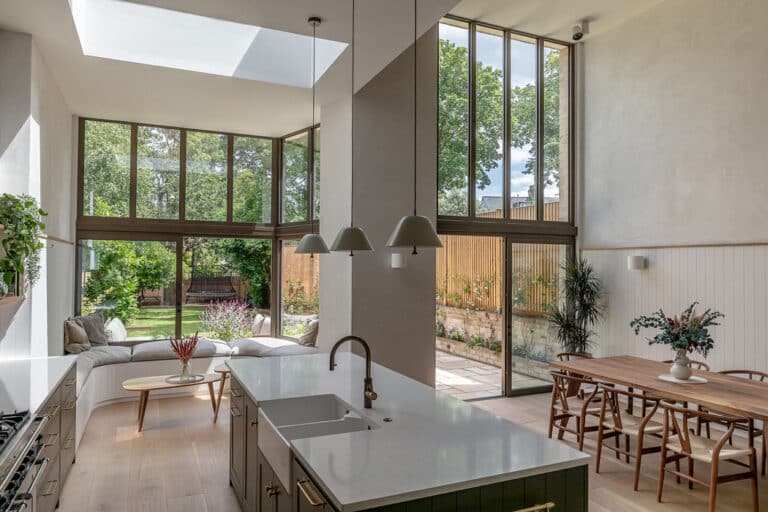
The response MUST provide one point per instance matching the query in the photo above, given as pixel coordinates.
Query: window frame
(90, 227)
(447, 223)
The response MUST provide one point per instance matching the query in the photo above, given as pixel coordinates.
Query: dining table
(736, 396)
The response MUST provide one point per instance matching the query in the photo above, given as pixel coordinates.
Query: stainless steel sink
(281, 421)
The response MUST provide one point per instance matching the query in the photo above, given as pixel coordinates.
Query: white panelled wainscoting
(732, 279)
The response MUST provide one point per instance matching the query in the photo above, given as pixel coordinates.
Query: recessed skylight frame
(126, 31)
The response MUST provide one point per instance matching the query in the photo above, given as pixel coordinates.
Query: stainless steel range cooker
(21, 463)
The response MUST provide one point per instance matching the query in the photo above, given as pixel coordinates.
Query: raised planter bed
(461, 349)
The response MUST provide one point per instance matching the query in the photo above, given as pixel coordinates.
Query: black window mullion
(133, 176)
(183, 175)
(472, 29)
(506, 171)
(539, 130)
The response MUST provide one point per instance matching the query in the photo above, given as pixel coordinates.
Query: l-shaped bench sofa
(102, 369)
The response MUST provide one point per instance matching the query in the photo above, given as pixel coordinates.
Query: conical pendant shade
(414, 231)
(350, 239)
(312, 243)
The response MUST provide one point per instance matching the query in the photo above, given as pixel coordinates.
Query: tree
(252, 260)
(107, 162)
(523, 121)
(453, 122)
(252, 161)
(155, 266)
(295, 176)
(206, 193)
(114, 281)
(157, 183)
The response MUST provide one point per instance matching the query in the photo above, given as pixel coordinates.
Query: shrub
(228, 320)
(440, 329)
(495, 346)
(476, 341)
(456, 335)
(296, 301)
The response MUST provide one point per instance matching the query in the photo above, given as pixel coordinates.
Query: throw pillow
(75, 338)
(258, 322)
(309, 338)
(94, 326)
(115, 330)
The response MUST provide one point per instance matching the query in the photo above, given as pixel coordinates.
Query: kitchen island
(416, 449)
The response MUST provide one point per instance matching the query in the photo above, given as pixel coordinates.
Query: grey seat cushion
(99, 355)
(268, 347)
(157, 350)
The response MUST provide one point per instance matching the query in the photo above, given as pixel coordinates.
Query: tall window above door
(504, 124)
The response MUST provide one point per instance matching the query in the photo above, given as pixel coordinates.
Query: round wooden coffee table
(146, 384)
(222, 369)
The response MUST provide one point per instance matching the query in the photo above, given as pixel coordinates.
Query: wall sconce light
(398, 260)
(636, 262)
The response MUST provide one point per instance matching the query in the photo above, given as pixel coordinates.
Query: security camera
(580, 30)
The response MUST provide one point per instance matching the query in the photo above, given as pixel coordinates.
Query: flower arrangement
(184, 348)
(688, 332)
(228, 320)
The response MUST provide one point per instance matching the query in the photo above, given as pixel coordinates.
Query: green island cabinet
(566, 488)
(258, 489)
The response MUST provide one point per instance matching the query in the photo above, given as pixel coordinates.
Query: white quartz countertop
(434, 444)
(25, 384)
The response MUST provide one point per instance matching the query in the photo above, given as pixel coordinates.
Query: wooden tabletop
(158, 382)
(724, 393)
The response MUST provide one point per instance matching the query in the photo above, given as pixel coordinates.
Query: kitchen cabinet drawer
(237, 446)
(48, 488)
(307, 497)
(67, 456)
(274, 497)
(252, 487)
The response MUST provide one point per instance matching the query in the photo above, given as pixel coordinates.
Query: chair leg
(626, 446)
(552, 415)
(713, 486)
(582, 423)
(690, 472)
(600, 433)
(677, 468)
(764, 452)
(709, 432)
(753, 469)
(698, 424)
(638, 459)
(563, 426)
(662, 463)
(617, 443)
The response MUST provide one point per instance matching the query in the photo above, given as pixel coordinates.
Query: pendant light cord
(352, 138)
(415, 121)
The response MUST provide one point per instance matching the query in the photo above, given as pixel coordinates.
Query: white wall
(393, 310)
(674, 109)
(36, 144)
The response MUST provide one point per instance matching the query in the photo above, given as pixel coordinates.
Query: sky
(522, 60)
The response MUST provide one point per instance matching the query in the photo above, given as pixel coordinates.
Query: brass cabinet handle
(310, 493)
(53, 411)
(235, 392)
(235, 412)
(51, 440)
(271, 490)
(69, 443)
(70, 382)
(69, 405)
(538, 508)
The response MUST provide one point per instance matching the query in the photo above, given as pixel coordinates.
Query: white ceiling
(553, 18)
(112, 89)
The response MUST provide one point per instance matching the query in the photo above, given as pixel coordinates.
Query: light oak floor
(180, 463)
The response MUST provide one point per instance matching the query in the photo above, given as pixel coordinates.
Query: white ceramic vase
(681, 368)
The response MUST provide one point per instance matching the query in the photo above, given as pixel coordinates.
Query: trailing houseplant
(21, 245)
(686, 333)
(582, 308)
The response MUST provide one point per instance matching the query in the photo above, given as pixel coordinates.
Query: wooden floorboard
(180, 462)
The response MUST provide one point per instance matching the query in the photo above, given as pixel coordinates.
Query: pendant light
(312, 243)
(414, 230)
(352, 238)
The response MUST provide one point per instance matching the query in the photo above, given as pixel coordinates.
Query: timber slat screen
(469, 262)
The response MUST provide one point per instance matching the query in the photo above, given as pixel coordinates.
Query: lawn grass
(160, 322)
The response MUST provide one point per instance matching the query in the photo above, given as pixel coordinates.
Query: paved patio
(467, 379)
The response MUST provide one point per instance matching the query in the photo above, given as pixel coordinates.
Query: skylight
(126, 31)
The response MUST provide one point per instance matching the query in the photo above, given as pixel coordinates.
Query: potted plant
(686, 333)
(20, 243)
(582, 308)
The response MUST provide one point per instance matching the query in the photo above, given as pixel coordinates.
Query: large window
(177, 226)
(503, 152)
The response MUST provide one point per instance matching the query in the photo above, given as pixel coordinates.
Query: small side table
(224, 370)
